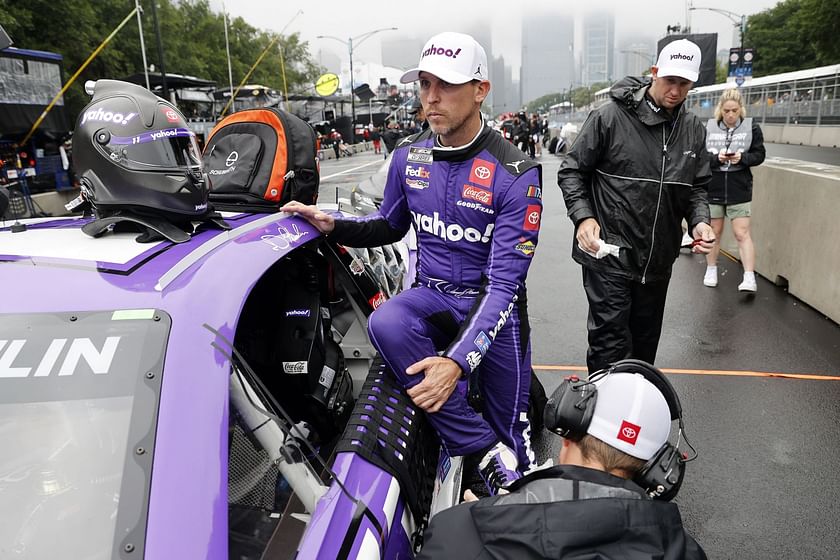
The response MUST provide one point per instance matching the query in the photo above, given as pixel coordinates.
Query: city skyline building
(598, 48)
(634, 57)
(547, 55)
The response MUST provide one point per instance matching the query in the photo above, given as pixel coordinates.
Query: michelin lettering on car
(450, 232)
(99, 361)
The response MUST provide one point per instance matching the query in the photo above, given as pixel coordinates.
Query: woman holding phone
(735, 143)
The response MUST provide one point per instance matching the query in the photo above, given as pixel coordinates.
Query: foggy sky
(423, 18)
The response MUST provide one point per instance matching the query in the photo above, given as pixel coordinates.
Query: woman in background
(735, 143)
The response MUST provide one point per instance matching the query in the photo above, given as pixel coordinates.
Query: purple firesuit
(476, 210)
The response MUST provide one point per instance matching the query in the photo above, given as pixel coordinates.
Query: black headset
(569, 411)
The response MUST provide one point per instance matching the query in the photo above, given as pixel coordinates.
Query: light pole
(349, 42)
(738, 19)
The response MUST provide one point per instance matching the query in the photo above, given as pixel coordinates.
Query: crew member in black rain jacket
(637, 168)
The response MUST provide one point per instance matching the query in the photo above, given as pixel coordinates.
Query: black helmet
(134, 153)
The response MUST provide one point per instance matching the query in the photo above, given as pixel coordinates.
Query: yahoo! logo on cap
(440, 50)
(682, 56)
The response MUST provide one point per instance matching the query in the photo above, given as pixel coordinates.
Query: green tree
(794, 35)
(191, 33)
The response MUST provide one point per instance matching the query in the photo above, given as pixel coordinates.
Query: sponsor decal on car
(450, 232)
(419, 155)
(533, 192)
(297, 313)
(296, 368)
(527, 248)
(377, 300)
(469, 192)
(482, 172)
(78, 350)
(482, 342)
(532, 217)
(357, 267)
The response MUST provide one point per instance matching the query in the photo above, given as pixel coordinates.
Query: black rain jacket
(565, 512)
(735, 186)
(638, 172)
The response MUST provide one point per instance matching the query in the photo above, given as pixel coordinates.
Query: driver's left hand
(442, 376)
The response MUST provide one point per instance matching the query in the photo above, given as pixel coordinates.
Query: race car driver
(475, 202)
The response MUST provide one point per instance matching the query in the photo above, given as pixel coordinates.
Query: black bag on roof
(260, 159)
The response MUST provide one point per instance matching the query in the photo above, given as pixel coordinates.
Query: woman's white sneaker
(710, 279)
(748, 285)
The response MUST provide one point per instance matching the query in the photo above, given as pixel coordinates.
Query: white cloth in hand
(604, 249)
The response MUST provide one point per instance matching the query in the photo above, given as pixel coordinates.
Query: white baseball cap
(630, 415)
(679, 58)
(453, 57)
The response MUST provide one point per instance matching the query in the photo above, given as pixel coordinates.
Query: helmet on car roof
(133, 152)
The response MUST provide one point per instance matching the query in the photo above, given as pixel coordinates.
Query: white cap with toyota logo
(631, 415)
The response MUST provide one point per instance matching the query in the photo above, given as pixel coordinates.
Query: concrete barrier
(802, 135)
(327, 152)
(796, 230)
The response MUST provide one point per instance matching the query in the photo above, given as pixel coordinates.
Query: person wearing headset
(608, 496)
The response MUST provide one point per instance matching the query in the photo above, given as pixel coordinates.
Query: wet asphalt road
(765, 484)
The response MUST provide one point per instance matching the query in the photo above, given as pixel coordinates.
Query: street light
(349, 42)
(738, 19)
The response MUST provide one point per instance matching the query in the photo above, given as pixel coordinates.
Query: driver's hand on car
(324, 222)
(442, 376)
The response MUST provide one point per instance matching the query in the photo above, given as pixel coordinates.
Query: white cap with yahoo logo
(453, 57)
(679, 58)
(630, 414)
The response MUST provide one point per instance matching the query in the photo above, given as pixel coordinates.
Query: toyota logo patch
(482, 172)
(628, 432)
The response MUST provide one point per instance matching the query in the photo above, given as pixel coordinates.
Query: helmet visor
(169, 148)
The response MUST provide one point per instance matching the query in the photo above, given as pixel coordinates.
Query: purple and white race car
(162, 400)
